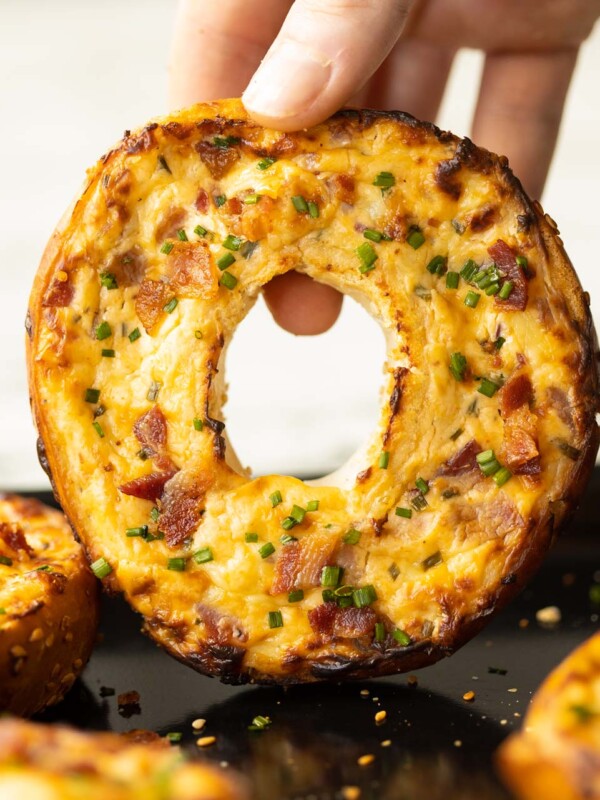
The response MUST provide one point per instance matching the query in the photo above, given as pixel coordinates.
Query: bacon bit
(147, 487)
(202, 201)
(234, 206)
(322, 618)
(329, 620)
(519, 450)
(59, 295)
(515, 393)
(181, 501)
(343, 188)
(128, 268)
(218, 160)
(151, 431)
(129, 703)
(462, 461)
(256, 220)
(191, 270)
(469, 697)
(14, 537)
(287, 567)
(364, 761)
(171, 222)
(481, 220)
(506, 260)
(149, 303)
(206, 741)
(299, 565)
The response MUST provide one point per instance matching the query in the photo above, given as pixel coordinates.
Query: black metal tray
(433, 745)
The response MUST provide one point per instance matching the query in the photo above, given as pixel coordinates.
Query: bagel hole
(303, 405)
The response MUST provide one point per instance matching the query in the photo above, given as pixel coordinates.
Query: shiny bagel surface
(49, 606)
(52, 762)
(557, 754)
(487, 426)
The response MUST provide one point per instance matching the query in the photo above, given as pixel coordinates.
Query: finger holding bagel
(487, 427)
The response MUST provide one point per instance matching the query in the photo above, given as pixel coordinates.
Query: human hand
(390, 54)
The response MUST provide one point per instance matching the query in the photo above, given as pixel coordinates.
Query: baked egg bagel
(51, 762)
(557, 754)
(487, 428)
(49, 606)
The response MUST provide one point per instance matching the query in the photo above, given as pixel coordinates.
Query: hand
(390, 54)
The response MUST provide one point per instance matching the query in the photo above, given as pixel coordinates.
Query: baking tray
(433, 744)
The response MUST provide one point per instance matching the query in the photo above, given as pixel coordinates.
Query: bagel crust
(59, 763)
(557, 754)
(49, 606)
(400, 559)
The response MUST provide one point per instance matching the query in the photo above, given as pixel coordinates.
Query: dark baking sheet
(441, 747)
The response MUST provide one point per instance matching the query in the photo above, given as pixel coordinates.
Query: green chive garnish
(452, 279)
(313, 209)
(92, 395)
(373, 235)
(251, 536)
(287, 523)
(502, 476)
(384, 459)
(154, 514)
(203, 556)
(108, 280)
(153, 391)
(432, 560)
(228, 280)
(418, 502)
(458, 432)
(225, 141)
(331, 576)
(422, 485)
(265, 163)
(266, 550)
(493, 289)
(379, 632)
(275, 498)
(403, 512)
(103, 331)
(166, 248)
(275, 619)
(367, 255)
(200, 231)
(198, 424)
(506, 290)
(220, 200)
(437, 265)
(174, 737)
(300, 204)
(458, 366)
(134, 335)
(259, 723)
(385, 180)
(163, 163)
(101, 568)
(415, 237)
(106, 353)
(296, 595)
(364, 596)
(522, 262)
(499, 342)
(352, 537)
(182, 235)
(98, 428)
(141, 530)
(6, 561)
(469, 269)
(488, 387)
(471, 299)
(287, 538)
(176, 564)
(251, 199)
(312, 505)
(226, 260)
(171, 305)
(401, 637)
(198, 334)
(232, 243)
(298, 513)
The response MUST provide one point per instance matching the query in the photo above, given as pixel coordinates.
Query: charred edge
(28, 325)
(364, 475)
(140, 142)
(395, 400)
(224, 661)
(338, 667)
(466, 155)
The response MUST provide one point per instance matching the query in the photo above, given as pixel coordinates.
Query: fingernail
(288, 82)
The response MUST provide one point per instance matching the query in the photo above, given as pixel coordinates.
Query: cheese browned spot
(486, 431)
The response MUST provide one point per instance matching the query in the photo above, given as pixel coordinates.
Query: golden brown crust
(467, 204)
(60, 763)
(557, 753)
(49, 606)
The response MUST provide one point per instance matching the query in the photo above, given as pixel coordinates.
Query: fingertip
(302, 306)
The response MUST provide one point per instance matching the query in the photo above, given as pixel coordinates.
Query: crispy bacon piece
(515, 393)
(218, 160)
(151, 431)
(519, 449)
(149, 302)
(300, 564)
(171, 222)
(234, 206)
(462, 461)
(202, 201)
(12, 536)
(147, 487)
(128, 268)
(257, 220)
(59, 295)
(182, 505)
(328, 620)
(191, 270)
(506, 260)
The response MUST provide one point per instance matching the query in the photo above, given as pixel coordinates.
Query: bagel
(487, 429)
(49, 606)
(59, 763)
(557, 753)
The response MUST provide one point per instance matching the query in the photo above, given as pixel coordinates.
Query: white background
(73, 75)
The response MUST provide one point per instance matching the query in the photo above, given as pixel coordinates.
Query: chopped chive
(166, 248)
(422, 292)
(108, 280)
(331, 576)
(232, 243)
(499, 342)
(251, 536)
(471, 299)
(226, 260)
(485, 457)
(182, 235)
(251, 199)
(493, 289)
(141, 530)
(372, 235)
(275, 619)
(582, 712)
(352, 537)
(99, 410)
(163, 163)
(328, 596)
(479, 276)
(103, 331)
(458, 366)
(101, 568)
(43, 568)
(225, 141)
(452, 279)
(98, 428)
(198, 424)
(567, 449)
(153, 391)
(220, 200)
(295, 596)
(287, 523)
(203, 556)
(134, 335)
(367, 255)
(265, 163)
(313, 209)
(385, 180)
(469, 269)
(458, 226)
(379, 632)
(259, 723)
(106, 353)
(364, 596)
(415, 237)
(6, 561)
(436, 264)
(418, 502)
(312, 505)
(198, 335)
(2, 611)
(448, 494)
(506, 290)
(300, 204)
(174, 737)
(176, 564)
(228, 280)
(154, 514)
(92, 395)
(403, 512)
(522, 262)
(275, 498)
(393, 570)
(432, 561)
(401, 637)
(488, 387)
(457, 433)
(266, 550)
(384, 459)
(422, 485)
(287, 538)
(171, 305)
(200, 231)
(502, 476)
(594, 594)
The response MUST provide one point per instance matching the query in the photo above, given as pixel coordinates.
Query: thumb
(326, 50)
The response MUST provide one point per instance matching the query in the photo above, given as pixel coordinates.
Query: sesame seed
(386, 742)
(50, 640)
(380, 716)
(17, 651)
(206, 741)
(511, 690)
(503, 721)
(36, 635)
(364, 692)
(469, 696)
(548, 616)
(198, 724)
(365, 760)
(457, 743)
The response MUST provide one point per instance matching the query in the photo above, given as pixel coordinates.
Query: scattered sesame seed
(17, 651)
(516, 714)
(380, 716)
(457, 743)
(503, 721)
(364, 692)
(36, 635)
(198, 724)
(365, 760)
(512, 690)
(206, 741)
(386, 743)
(548, 616)
(224, 764)
(469, 696)
(350, 792)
